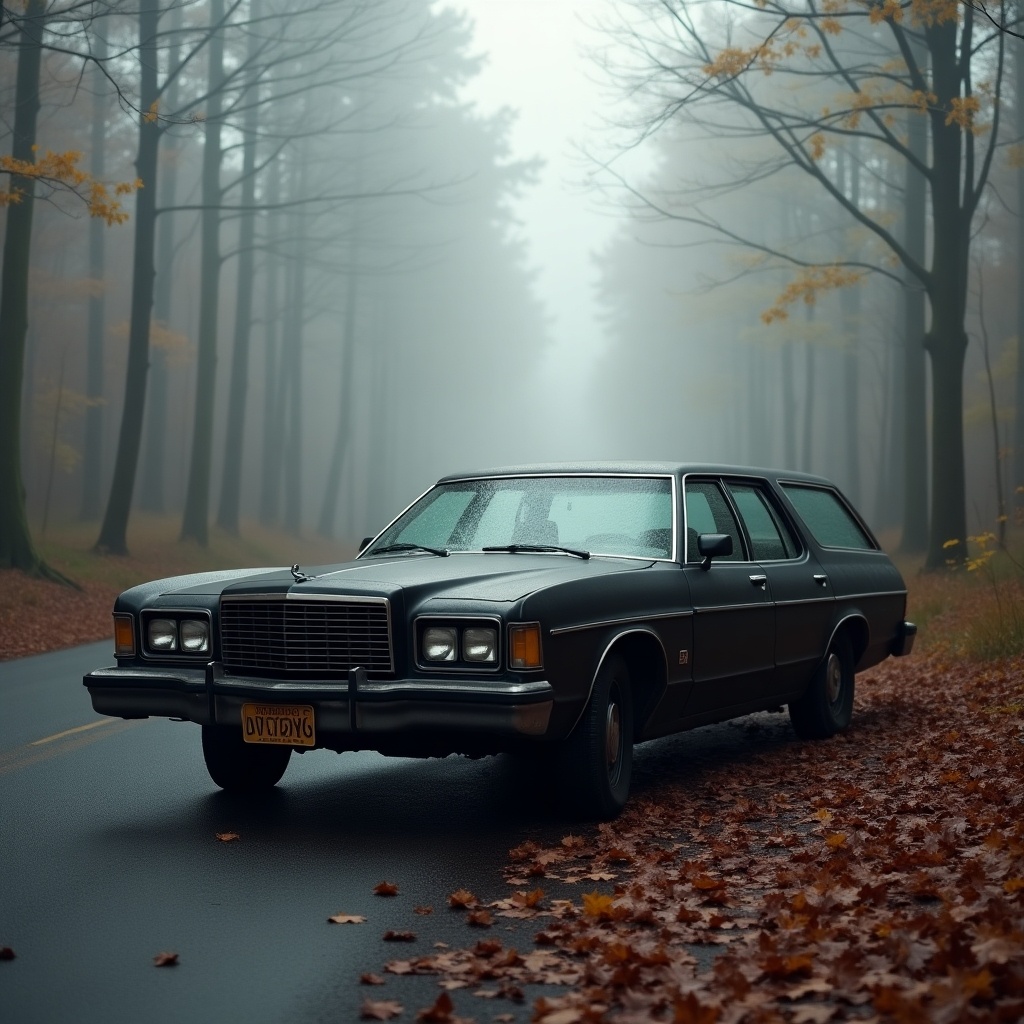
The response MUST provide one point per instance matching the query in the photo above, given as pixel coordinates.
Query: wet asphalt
(109, 856)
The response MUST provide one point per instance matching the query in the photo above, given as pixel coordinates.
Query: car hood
(467, 576)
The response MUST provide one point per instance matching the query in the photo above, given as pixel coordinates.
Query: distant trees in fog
(853, 115)
(308, 175)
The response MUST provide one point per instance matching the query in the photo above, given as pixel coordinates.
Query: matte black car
(564, 612)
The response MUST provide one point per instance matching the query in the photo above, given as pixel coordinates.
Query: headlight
(480, 645)
(440, 643)
(162, 635)
(195, 635)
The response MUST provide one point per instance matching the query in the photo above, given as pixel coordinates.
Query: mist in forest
(338, 248)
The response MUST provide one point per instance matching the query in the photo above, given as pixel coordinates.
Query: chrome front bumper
(365, 708)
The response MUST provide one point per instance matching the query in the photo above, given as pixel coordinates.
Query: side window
(769, 537)
(707, 511)
(827, 517)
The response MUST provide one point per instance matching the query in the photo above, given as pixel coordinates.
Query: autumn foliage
(875, 876)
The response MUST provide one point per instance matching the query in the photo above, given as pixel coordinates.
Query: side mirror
(363, 544)
(713, 545)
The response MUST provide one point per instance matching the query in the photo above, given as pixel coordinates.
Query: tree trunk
(915, 428)
(16, 548)
(195, 521)
(946, 342)
(1017, 480)
(273, 419)
(809, 385)
(92, 458)
(788, 410)
(329, 510)
(154, 461)
(850, 303)
(231, 478)
(292, 350)
(113, 532)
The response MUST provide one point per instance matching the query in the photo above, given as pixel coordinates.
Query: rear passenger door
(733, 621)
(797, 585)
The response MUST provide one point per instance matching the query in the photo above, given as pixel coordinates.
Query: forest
(262, 262)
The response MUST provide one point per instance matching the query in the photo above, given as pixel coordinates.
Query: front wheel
(240, 767)
(827, 706)
(597, 759)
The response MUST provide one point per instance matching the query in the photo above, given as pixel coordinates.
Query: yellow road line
(62, 743)
(68, 732)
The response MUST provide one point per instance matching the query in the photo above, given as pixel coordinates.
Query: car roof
(632, 469)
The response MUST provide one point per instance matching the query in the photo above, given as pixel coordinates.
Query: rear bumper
(904, 642)
(351, 715)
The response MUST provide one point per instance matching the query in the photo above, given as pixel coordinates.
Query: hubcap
(613, 734)
(833, 678)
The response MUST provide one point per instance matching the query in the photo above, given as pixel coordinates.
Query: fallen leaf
(597, 904)
(393, 936)
(385, 889)
(6, 953)
(347, 919)
(423, 910)
(439, 1013)
(165, 960)
(480, 918)
(461, 899)
(370, 979)
(383, 1009)
(228, 837)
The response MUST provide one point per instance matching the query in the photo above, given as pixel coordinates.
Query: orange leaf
(462, 898)
(228, 837)
(836, 839)
(422, 910)
(689, 1009)
(165, 960)
(370, 979)
(393, 936)
(597, 904)
(439, 1013)
(480, 918)
(385, 889)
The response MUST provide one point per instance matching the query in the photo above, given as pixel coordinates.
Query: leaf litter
(877, 876)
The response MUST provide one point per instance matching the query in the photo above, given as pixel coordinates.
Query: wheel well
(857, 630)
(648, 673)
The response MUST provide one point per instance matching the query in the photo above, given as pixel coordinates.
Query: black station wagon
(564, 612)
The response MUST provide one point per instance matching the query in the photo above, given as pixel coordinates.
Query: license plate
(287, 724)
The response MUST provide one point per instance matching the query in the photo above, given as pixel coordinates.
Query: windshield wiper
(536, 547)
(443, 552)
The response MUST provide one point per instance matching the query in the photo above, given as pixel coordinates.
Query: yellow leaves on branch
(934, 12)
(61, 171)
(810, 282)
(962, 111)
(888, 10)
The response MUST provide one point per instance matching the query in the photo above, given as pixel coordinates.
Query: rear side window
(828, 519)
(769, 537)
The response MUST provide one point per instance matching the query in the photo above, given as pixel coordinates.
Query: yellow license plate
(288, 724)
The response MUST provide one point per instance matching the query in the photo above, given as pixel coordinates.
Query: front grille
(306, 638)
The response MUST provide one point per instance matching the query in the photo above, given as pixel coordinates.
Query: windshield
(602, 515)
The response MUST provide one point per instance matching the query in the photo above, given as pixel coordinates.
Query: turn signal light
(124, 636)
(524, 645)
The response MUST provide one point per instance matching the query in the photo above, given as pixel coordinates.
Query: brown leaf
(461, 899)
(393, 936)
(480, 918)
(165, 960)
(423, 910)
(370, 979)
(347, 919)
(6, 953)
(385, 889)
(439, 1013)
(689, 1009)
(382, 1009)
(228, 837)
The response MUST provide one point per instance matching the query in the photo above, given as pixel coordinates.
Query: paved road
(108, 856)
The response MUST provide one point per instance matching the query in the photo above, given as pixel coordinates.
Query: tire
(827, 706)
(240, 767)
(597, 759)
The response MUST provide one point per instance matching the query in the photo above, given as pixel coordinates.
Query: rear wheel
(597, 759)
(240, 767)
(827, 706)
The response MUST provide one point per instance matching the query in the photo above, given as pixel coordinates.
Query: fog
(395, 239)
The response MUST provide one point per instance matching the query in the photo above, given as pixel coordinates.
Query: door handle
(759, 580)
(821, 579)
